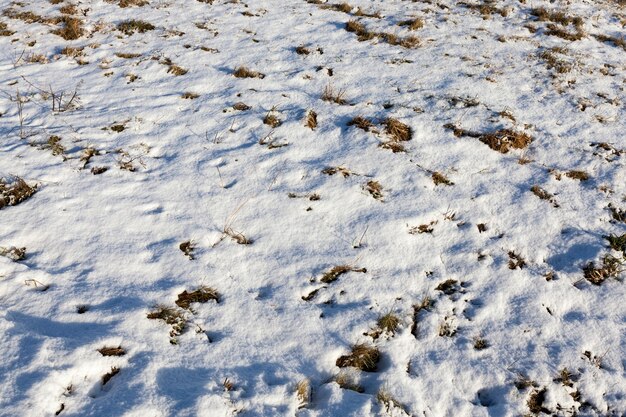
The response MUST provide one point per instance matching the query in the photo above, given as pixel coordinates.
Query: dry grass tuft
(72, 28)
(389, 323)
(112, 351)
(389, 402)
(4, 30)
(271, 119)
(131, 27)
(187, 248)
(15, 192)
(617, 243)
(243, 72)
(412, 24)
(395, 147)
(397, 130)
(536, 400)
(504, 139)
(172, 316)
(13, 253)
(611, 268)
(577, 175)
(375, 189)
(329, 94)
(516, 261)
(439, 178)
(310, 120)
(335, 272)
(362, 357)
(107, 377)
(189, 96)
(201, 295)
(303, 393)
(361, 123)
(347, 380)
(544, 195)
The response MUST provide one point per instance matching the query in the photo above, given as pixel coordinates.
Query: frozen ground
(477, 261)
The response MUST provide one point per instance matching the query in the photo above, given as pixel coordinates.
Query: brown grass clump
(272, 120)
(338, 170)
(480, 343)
(15, 192)
(395, 147)
(13, 253)
(302, 50)
(617, 243)
(201, 295)
(176, 70)
(412, 24)
(618, 42)
(243, 72)
(112, 351)
(397, 130)
(173, 317)
(439, 178)
(69, 9)
(187, 248)
(362, 357)
(554, 30)
(389, 323)
(361, 123)
(516, 261)
(303, 393)
(359, 29)
(544, 195)
(189, 96)
(72, 28)
(544, 15)
(335, 272)
(375, 189)
(536, 400)
(241, 106)
(449, 286)
(500, 140)
(554, 62)
(107, 377)
(346, 380)
(577, 175)
(4, 30)
(130, 3)
(611, 268)
(504, 139)
(329, 94)
(617, 213)
(310, 120)
(131, 27)
(127, 55)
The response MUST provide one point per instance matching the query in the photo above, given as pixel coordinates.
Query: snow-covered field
(305, 208)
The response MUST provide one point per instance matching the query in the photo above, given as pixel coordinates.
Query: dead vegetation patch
(310, 120)
(362, 357)
(397, 131)
(4, 30)
(72, 28)
(187, 248)
(335, 272)
(501, 140)
(375, 189)
(334, 96)
(412, 24)
(616, 242)
(362, 123)
(112, 351)
(244, 72)
(438, 178)
(131, 27)
(201, 295)
(107, 377)
(363, 34)
(172, 316)
(13, 253)
(15, 191)
(544, 195)
(611, 267)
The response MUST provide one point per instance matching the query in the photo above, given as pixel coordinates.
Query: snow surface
(110, 242)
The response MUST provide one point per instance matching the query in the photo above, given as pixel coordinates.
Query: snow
(110, 242)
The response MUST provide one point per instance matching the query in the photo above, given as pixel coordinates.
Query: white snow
(110, 242)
